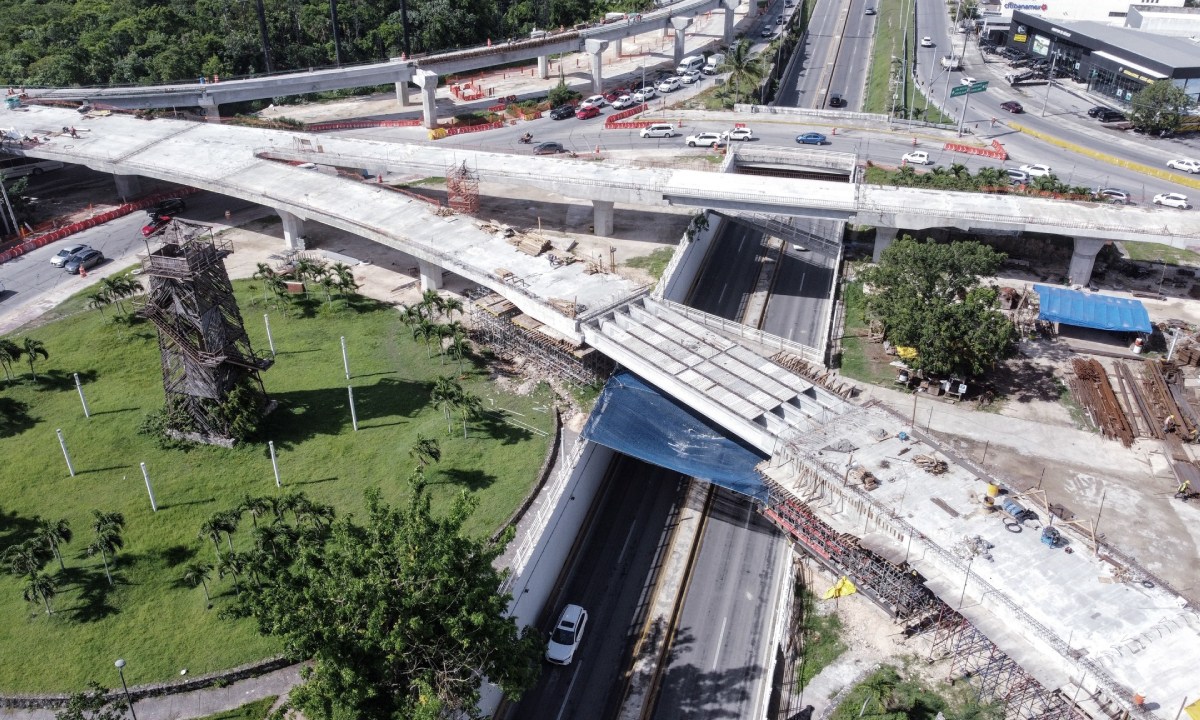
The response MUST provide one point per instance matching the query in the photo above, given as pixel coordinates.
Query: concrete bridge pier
(128, 186)
(212, 112)
(680, 24)
(617, 48)
(428, 82)
(402, 93)
(602, 218)
(884, 237)
(543, 66)
(293, 230)
(431, 275)
(729, 6)
(595, 48)
(1084, 258)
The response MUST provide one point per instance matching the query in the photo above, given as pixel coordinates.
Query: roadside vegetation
(821, 640)
(861, 359)
(92, 573)
(987, 180)
(891, 693)
(655, 263)
(1156, 253)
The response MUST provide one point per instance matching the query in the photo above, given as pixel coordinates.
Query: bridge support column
(128, 186)
(293, 230)
(729, 6)
(431, 275)
(602, 218)
(680, 24)
(543, 66)
(402, 93)
(595, 48)
(428, 82)
(884, 237)
(618, 48)
(212, 111)
(1083, 259)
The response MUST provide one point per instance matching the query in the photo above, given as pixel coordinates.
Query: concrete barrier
(358, 124)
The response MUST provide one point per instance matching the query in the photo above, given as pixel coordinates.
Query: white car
(926, 41)
(767, 32)
(689, 77)
(595, 101)
(670, 84)
(706, 139)
(622, 102)
(1037, 171)
(1175, 200)
(1185, 164)
(566, 636)
(967, 80)
(739, 133)
(917, 157)
(62, 256)
(641, 95)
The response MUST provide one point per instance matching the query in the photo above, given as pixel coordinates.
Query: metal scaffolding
(205, 350)
(462, 189)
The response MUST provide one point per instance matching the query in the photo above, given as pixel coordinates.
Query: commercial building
(1112, 12)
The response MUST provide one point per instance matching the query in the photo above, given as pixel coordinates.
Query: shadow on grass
(305, 414)
(312, 482)
(14, 417)
(114, 412)
(93, 593)
(472, 480)
(203, 501)
(177, 555)
(103, 469)
(62, 380)
(497, 429)
(15, 529)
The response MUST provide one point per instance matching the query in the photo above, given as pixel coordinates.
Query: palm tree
(410, 316)
(469, 406)
(10, 352)
(99, 300)
(314, 514)
(32, 349)
(54, 533)
(110, 286)
(198, 573)
(432, 302)
(743, 66)
(346, 284)
(255, 506)
(107, 527)
(445, 393)
(262, 272)
(233, 564)
(211, 529)
(128, 285)
(40, 587)
(452, 305)
(459, 348)
(277, 285)
(425, 451)
(425, 329)
(25, 558)
(328, 283)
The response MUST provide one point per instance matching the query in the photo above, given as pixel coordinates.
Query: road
(612, 578)
(719, 659)
(799, 302)
(729, 272)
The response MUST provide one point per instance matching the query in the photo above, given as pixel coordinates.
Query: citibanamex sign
(1026, 6)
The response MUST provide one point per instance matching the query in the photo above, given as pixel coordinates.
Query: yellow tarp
(1193, 710)
(906, 353)
(844, 587)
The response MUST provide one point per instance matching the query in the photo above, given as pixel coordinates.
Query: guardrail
(731, 327)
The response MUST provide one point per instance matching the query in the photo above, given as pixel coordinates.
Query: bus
(14, 166)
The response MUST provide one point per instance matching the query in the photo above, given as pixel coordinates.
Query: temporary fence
(357, 124)
(996, 151)
(618, 122)
(439, 133)
(68, 230)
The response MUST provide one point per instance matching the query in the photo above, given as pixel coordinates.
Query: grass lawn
(256, 710)
(822, 642)
(862, 359)
(891, 693)
(889, 27)
(149, 617)
(1153, 252)
(654, 263)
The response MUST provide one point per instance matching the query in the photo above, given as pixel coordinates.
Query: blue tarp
(1102, 312)
(634, 418)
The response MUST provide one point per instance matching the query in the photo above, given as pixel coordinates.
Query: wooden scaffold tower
(462, 189)
(206, 353)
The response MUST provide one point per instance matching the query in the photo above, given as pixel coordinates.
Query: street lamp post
(120, 663)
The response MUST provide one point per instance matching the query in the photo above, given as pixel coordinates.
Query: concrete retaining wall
(676, 282)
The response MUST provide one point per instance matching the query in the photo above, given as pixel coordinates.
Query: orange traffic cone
(82, 271)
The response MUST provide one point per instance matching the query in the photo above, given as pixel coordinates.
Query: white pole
(274, 462)
(270, 340)
(63, 444)
(150, 490)
(1174, 339)
(84, 400)
(353, 414)
(345, 358)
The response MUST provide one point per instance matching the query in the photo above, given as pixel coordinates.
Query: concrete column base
(431, 275)
(128, 186)
(681, 25)
(428, 82)
(212, 112)
(884, 237)
(543, 67)
(1083, 259)
(595, 48)
(293, 230)
(402, 93)
(602, 218)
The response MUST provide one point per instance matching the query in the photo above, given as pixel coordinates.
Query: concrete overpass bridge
(423, 70)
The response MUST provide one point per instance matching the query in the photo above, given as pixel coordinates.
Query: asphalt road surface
(734, 260)
(799, 302)
(718, 662)
(612, 578)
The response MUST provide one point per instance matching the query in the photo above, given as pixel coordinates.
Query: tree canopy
(1159, 106)
(401, 613)
(928, 296)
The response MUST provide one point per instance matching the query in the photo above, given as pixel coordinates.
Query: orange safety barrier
(628, 125)
(358, 124)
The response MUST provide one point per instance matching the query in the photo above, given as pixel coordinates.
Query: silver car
(62, 256)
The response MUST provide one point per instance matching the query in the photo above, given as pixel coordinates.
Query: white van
(659, 130)
(691, 62)
(714, 62)
(15, 167)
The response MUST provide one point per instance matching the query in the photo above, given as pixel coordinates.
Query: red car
(156, 224)
(615, 93)
(587, 111)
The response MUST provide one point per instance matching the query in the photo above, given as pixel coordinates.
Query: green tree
(879, 689)
(560, 94)
(745, 68)
(107, 528)
(54, 533)
(255, 507)
(99, 300)
(445, 394)
(927, 296)
(196, 574)
(39, 587)
(425, 451)
(344, 276)
(400, 615)
(469, 406)
(25, 558)
(92, 704)
(32, 349)
(10, 352)
(1159, 106)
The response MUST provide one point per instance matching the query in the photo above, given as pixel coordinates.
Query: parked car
(1108, 116)
(766, 32)
(1037, 170)
(595, 100)
(917, 157)
(566, 636)
(1017, 177)
(779, 20)
(1012, 106)
(811, 139)
(967, 80)
(1096, 110)
(1172, 199)
(836, 100)
(169, 206)
(1113, 195)
(587, 111)
(1185, 164)
(89, 259)
(670, 84)
(645, 93)
(562, 112)
(925, 41)
(155, 225)
(705, 139)
(615, 93)
(659, 130)
(64, 255)
(739, 133)
(549, 148)
(690, 77)
(623, 102)
(869, 11)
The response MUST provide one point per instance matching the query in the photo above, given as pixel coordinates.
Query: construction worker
(1169, 424)
(1184, 491)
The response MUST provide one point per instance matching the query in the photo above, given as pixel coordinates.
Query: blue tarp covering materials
(634, 418)
(1102, 312)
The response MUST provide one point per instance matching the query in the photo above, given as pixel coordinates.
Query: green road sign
(979, 86)
(968, 89)
(959, 91)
